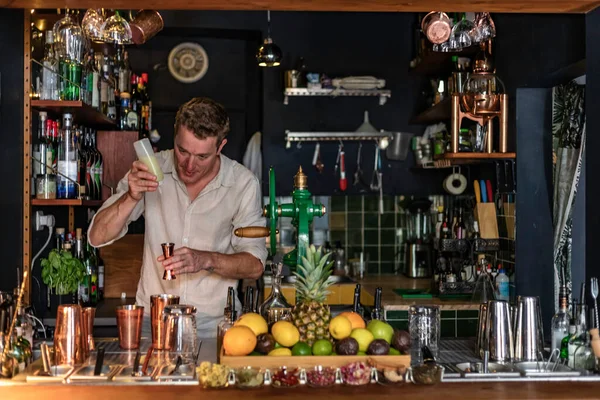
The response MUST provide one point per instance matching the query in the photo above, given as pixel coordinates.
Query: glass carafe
(276, 307)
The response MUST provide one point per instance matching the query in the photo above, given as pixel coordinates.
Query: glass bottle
(50, 71)
(584, 359)
(564, 343)
(356, 307)
(91, 266)
(89, 165)
(560, 320)
(580, 337)
(124, 73)
(84, 285)
(100, 263)
(460, 230)
(229, 318)
(67, 161)
(377, 311)
(82, 162)
(275, 307)
(98, 169)
(248, 301)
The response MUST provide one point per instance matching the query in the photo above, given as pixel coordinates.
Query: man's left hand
(188, 261)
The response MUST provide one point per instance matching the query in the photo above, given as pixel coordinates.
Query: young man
(203, 198)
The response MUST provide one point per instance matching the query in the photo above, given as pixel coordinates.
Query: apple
(381, 330)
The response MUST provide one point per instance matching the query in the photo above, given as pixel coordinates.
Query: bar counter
(448, 391)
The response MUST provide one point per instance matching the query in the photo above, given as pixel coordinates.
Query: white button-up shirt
(231, 200)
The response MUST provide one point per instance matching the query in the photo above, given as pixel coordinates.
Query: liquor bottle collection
(67, 163)
(101, 80)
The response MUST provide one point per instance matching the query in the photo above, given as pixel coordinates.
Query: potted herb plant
(62, 273)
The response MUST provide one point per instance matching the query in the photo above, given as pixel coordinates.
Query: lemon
(253, 321)
(340, 327)
(363, 337)
(282, 351)
(285, 333)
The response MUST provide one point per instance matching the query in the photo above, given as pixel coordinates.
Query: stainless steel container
(498, 331)
(529, 335)
(418, 261)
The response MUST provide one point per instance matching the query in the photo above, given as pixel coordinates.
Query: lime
(301, 349)
(277, 345)
(393, 352)
(361, 353)
(255, 353)
(322, 347)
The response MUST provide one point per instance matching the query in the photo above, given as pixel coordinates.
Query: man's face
(195, 158)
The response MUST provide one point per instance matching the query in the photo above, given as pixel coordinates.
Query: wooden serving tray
(274, 362)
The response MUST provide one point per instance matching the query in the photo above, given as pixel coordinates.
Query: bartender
(202, 199)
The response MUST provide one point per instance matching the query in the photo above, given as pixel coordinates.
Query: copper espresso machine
(483, 98)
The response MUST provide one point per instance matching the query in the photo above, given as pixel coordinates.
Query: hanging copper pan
(437, 27)
(145, 25)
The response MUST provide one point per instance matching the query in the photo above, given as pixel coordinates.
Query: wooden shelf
(472, 158)
(83, 114)
(383, 94)
(66, 202)
(440, 63)
(440, 112)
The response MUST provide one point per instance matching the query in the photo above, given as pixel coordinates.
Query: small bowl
(349, 373)
(205, 370)
(320, 376)
(426, 374)
(249, 377)
(286, 377)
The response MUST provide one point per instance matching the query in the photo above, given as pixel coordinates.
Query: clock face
(188, 62)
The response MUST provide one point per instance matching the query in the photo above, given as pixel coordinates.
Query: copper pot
(145, 25)
(436, 26)
(68, 337)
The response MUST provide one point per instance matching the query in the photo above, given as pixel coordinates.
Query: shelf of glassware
(383, 94)
(82, 113)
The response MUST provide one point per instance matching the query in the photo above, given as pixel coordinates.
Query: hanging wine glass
(116, 30)
(484, 27)
(68, 38)
(461, 34)
(92, 24)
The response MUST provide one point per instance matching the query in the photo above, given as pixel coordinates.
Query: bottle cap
(123, 295)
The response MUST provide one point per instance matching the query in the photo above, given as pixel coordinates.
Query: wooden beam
(505, 6)
(27, 164)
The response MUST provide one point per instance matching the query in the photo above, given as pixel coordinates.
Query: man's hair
(204, 117)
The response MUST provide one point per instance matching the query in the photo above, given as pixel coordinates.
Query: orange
(355, 319)
(239, 341)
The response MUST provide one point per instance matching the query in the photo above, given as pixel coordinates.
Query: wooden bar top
(447, 391)
(392, 301)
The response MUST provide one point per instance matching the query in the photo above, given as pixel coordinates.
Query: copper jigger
(145, 25)
(129, 324)
(89, 313)
(68, 338)
(167, 249)
(158, 302)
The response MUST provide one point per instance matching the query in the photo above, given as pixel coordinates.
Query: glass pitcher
(180, 332)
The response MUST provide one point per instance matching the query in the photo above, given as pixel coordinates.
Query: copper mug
(129, 325)
(158, 302)
(68, 337)
(145, 25)
(436, 26)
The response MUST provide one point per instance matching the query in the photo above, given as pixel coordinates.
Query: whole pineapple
(310, 315)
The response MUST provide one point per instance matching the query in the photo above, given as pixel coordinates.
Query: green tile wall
(356, 223)
(454, 323)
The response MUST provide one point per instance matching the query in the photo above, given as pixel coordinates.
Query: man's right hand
(140, 180)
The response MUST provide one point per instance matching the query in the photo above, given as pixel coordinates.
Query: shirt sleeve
(122, 189)
(250, 214)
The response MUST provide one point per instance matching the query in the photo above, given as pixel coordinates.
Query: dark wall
(11, 145)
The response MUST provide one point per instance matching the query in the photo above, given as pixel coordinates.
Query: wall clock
(188, 62)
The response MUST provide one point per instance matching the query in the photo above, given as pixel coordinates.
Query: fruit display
(310, 315)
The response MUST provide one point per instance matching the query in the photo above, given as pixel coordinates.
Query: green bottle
(564, 343)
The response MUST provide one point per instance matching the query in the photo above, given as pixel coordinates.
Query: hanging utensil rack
(335, 136)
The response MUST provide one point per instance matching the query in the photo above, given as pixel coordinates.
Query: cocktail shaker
(158, 302)
(529, 339)
(499, 334)
(129, 324)
(88, 313)
(68, 337)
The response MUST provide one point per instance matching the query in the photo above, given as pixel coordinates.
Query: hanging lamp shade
(269, 54)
